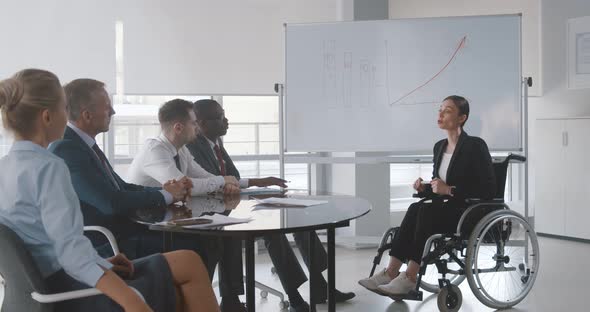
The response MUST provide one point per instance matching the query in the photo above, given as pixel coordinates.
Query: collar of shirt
(28, 146)
(169, 146)
(85, 137)
(211, 143)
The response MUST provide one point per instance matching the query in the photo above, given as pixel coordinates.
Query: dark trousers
(421, 221)
(285, 262)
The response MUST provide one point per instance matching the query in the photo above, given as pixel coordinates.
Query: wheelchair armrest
(430, 196)
(108, 234)
(69, 295)
(473, 201)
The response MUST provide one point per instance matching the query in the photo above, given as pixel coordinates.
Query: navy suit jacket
(102, 203)
(204, 156)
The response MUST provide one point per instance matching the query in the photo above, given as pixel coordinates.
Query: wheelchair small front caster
(263, 294)
(521, 267)
(284, 305)
(449, 299)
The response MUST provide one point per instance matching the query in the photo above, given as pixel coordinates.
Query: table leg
(250, 298)
(331, 270)
(312, 271)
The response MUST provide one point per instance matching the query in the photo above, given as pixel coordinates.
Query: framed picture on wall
(578, 53)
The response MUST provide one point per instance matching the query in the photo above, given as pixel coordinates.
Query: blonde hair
(25, 95)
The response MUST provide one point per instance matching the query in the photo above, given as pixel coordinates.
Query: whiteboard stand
(280, 89)
(527, 82)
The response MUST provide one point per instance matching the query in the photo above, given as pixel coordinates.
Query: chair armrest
(69, 295)
(109, 235)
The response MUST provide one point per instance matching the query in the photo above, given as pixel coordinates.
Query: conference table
(265, 220)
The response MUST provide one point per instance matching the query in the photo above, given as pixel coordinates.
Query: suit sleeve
(94, 188)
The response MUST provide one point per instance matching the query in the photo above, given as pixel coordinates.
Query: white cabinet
(562, 173)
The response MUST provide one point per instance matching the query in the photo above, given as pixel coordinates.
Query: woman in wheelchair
(39, 204)
(462, 169)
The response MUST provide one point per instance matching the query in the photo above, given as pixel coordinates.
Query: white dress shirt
(444, 166)
(168, 198)
(154, 165)
(244, 183)
(39, 203)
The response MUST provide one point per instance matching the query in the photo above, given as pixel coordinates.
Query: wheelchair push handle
(515, 157)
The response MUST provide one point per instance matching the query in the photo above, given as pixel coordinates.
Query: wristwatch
(452, 191)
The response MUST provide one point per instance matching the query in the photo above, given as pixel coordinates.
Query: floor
(559, 286)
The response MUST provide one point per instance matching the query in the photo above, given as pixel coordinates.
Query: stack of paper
(260, 190)
(217, 220)
(289, 202)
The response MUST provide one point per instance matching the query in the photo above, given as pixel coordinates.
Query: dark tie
(220, 159)
(177, 161)
(105, 164)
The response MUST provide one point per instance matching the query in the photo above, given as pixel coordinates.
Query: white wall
(73, 39)
(557, 100)
(530, 22)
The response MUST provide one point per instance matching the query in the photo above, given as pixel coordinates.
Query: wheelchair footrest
(412, 295)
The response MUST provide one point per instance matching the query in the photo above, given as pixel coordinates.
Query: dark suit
(288, 268)
(471, 172)
(106, 205)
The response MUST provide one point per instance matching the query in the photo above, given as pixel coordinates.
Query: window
(253, 139)
(402, 176)
(5, 142)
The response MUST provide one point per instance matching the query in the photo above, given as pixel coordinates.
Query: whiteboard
(378, 85)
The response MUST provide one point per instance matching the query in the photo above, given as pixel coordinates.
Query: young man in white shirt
(166, 157)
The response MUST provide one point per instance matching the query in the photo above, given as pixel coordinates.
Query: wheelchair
(494, 248)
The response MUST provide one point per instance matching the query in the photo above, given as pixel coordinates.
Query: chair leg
(269, 290)
(260, 286)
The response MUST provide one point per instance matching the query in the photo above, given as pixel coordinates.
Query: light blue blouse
(39, 203)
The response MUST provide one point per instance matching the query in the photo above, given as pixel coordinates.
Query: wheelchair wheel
(500, 245)
(449, 299)
(430, 278)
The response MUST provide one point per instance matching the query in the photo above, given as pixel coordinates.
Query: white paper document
(217, 220)
(260, 190)
(289, 202)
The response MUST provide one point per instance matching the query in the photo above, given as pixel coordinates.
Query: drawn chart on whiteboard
(352, 81)
(379, 84)
(421, 95)
(340, 73)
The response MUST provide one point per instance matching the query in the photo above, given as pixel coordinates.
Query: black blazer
(470, 170)
(204, 156)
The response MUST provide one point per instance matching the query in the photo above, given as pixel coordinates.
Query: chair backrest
(21, 275)
(500, 171)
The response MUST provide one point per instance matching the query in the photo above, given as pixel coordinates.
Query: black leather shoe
(302, 307)
(340, 296)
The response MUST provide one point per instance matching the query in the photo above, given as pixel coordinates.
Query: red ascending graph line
(459, 47)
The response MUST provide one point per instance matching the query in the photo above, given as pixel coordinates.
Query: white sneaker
(371, 283)
(400, 285)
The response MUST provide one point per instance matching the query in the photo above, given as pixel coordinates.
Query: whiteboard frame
(283, 98)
